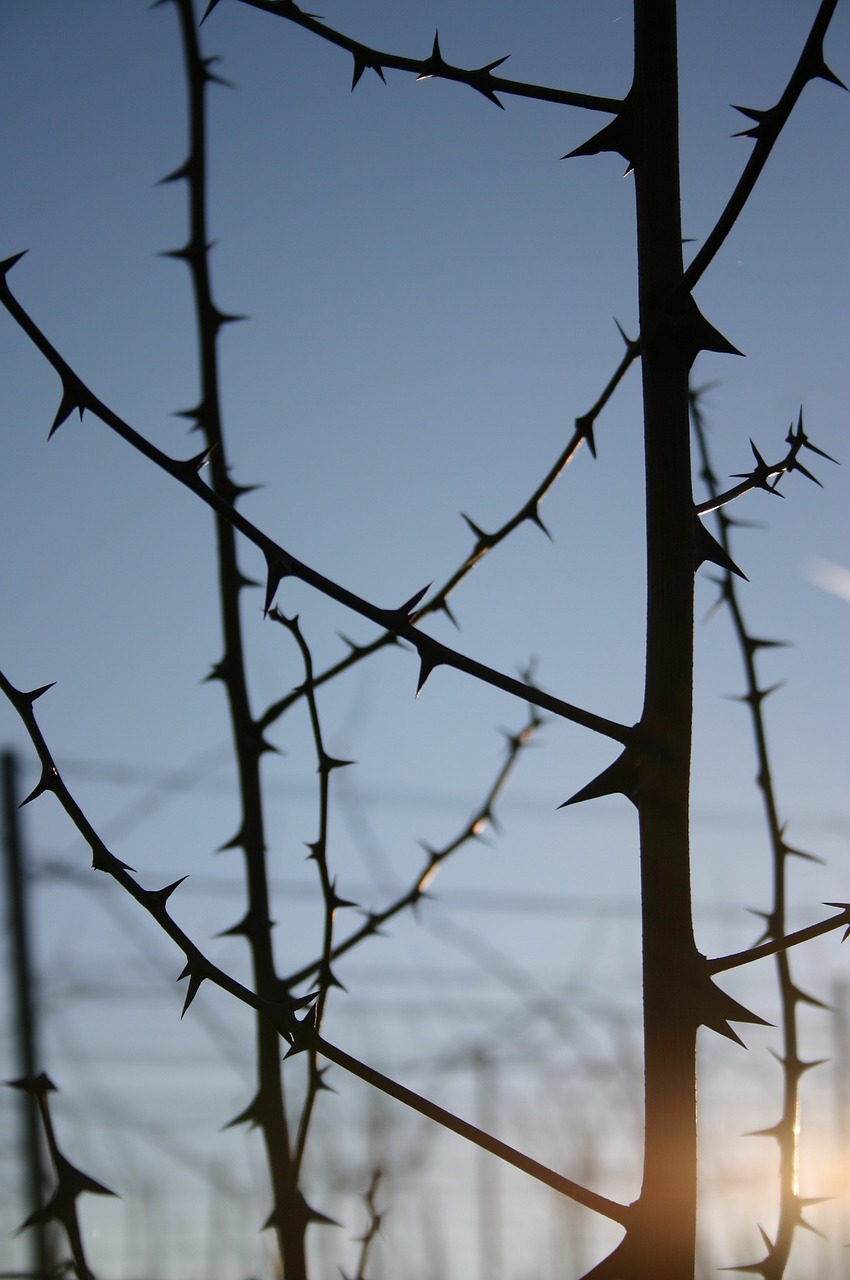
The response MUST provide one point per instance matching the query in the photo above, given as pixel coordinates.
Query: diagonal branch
(76, 396)
(300, 1034)
(434, 858)
(766, 130)
(610, 1209)
(434, 65)
(438, 600)
(776, 945)
(763, 472)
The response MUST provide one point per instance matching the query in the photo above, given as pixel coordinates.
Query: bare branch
(281, 563)
(769, 124)
(433, 66)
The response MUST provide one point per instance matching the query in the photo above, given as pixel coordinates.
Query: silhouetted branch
(373, 1227)
(331, 900)
(301, 1034)
(71, 1182)
(280, 563)
(766, 129)
(786, 1130)
(434, 65)
(413, 895)
(437, 600)
(249, 744)
(764, 472)
(776, 945)
(610, 1209)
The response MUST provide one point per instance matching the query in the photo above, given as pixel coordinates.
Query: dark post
(22, 984)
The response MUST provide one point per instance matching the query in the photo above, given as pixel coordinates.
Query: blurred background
(431, 294)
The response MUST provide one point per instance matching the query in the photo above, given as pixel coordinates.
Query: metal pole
(24, 1004)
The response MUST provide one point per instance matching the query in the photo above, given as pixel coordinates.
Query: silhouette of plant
(652, 769)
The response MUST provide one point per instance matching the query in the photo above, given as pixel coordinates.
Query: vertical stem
(288, 1217)
(667, 1207)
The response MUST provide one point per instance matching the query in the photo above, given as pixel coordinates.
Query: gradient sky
(431, 294)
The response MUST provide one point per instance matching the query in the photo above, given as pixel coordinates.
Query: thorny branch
(764, 472)
(71, 1182)
(767, 126)
(432, 66)
(300, 1034)
(438, 600)
(280, 563)
(373, 1227)
(786, 1130)
(331, 900)
(412, 896)
(773, 947)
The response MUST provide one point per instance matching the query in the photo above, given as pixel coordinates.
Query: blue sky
(431, 294)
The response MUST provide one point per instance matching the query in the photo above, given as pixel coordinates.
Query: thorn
(426, 665)
(35, 1085)
(75, 1182)
(752, 113)
(445, 608)
(632, 344)
(327, 763)
(700, 335)
(195, 980)
(820, 452)
(200, 460)
(336, 902)
(615, 136)
(796, 465)
(361, 65)
(182, 171)
(7, 263)
(754, 643)
(103, 860)
(477, 532)
(31, 696)
(161, 896)
(275, 574)
(407, 609)
(242, 929)
(823, 72)
(189, 253)
(532, 513)
(249, 1116)
(327, 978)
(235, 842)
(800, 853)
(72, 399)
(482, 75)
(47, 782)
(708, 548)
(775, 1131)
(212, 4)
(842, 906)
(620, 778)
(717, 1010)
(212, 77)
(219, 671)
(803, 997)
(434, 63)
(584, 426)
(302, 1033)
(313, 1215)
